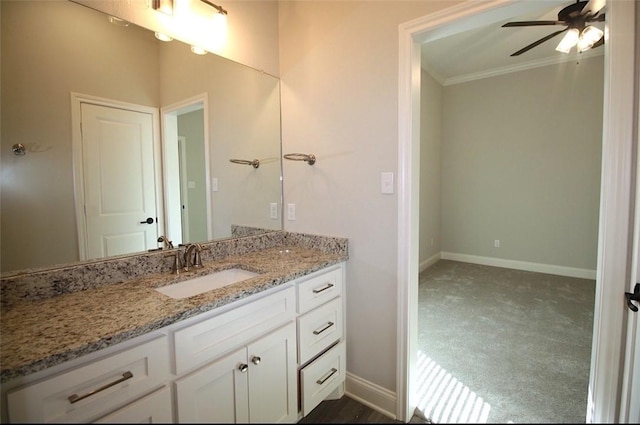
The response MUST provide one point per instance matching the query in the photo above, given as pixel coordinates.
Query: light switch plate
(386, 183)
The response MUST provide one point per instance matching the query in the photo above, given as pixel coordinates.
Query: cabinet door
(272, 377)
(217, 393)
(152, 409)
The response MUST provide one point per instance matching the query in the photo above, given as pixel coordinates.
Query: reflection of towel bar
(255, 163)
(310, 159)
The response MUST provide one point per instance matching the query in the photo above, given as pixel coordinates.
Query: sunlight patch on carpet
(444, 399)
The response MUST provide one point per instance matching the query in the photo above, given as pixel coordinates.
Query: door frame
(615, 202)
(77, 99)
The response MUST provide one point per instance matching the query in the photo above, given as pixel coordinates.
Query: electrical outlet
(214, 184)
(274, 210)
(496, 243)
(291, 212)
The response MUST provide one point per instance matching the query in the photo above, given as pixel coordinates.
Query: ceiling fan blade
(532, 23)
(593, 7)
(536, 43)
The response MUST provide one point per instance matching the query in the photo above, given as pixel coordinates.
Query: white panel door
(273, 378)
(216, 393)
(120, 194)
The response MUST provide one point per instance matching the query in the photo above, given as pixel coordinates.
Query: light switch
(291, 212)
(214, 184)
(386, 183)
(191, 184)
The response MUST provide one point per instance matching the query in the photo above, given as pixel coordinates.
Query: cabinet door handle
(324, 328)
(324, 288)
(74, 398)
(256, 360)
(243, 368)
(329, 375)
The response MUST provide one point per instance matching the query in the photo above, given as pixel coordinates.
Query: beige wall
(339, 70)
(521, 163)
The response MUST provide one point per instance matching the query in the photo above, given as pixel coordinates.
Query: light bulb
(162, 37)
(219, 29)
(590, 36)
(198, 50)
(570, 39)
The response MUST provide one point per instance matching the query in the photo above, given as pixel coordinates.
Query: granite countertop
(41, 333)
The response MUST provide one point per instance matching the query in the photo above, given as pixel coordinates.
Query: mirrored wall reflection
(52, 50)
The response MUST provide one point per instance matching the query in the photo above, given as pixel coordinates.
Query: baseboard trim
(521, 265)
(430, 261)
(371, 395)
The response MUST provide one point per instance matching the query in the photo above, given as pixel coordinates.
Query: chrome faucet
(192, 256)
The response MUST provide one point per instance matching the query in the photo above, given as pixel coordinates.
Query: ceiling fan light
(591, 34)
(568, 41)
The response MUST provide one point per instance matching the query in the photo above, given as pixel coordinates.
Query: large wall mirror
(102, 124)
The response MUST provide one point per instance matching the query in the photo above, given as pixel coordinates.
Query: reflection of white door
(119, 188)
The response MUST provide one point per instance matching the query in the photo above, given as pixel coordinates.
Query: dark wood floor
(348, 411)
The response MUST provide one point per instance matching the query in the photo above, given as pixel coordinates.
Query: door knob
(243, 367)
(149, 220)
(255, 360)
(633, 297)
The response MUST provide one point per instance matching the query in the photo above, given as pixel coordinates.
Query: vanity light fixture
(164, 6)
(117, 21)
(162, 37)
(198, 50)
(220, 10)
(219, 21)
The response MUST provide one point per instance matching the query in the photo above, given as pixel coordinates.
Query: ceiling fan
(576, 18)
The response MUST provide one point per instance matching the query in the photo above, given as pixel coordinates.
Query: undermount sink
(201, 284)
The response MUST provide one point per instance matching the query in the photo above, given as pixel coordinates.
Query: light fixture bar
(215, 6)
(164, 6)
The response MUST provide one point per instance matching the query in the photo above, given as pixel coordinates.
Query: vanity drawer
(99, 387)
(319, 378)
(319, 288)
(207, 340)
(318, 329)
(154, 408)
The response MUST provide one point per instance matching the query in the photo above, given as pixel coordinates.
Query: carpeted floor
(503, 346)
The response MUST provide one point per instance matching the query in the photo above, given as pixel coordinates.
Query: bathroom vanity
(265, 349)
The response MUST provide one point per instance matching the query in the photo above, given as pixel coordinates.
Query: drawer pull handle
(74, 398)
(324, 288)
(329, 375)
(327, 326)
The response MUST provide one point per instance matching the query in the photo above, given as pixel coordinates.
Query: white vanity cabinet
(245, 370)
(269, 357)
(255, 384)
(100, 387)
(321, 336)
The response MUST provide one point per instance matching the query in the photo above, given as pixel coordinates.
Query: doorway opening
(615, 205)
(187, 171)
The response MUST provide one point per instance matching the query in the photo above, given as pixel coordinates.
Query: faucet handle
(197, 263)
(177, 262)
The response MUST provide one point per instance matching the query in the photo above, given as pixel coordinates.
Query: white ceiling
(479, 47)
